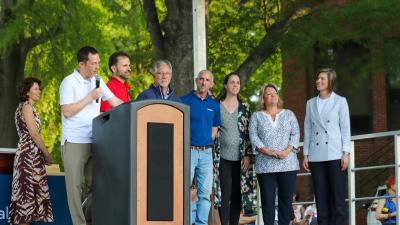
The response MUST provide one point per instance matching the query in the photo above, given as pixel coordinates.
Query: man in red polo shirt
(120, 67)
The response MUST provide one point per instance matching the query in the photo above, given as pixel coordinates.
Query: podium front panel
(160, 171)
(163, 122)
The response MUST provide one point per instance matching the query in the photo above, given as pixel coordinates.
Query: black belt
(204, 147)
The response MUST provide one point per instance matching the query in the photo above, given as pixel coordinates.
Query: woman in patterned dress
(274, 134)
(30, 199)
(233, 173)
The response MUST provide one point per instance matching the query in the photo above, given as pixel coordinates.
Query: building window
(351, 61)
(392, 60)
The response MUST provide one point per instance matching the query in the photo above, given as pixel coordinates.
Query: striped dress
(30, 199)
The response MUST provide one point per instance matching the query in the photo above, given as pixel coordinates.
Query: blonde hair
(261, 103)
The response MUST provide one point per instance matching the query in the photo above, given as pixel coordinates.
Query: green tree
(235, 29)
(91, 24)
(18, 35)
(40, 38)
(172, 37)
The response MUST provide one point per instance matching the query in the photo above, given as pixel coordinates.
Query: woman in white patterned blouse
(274, 134)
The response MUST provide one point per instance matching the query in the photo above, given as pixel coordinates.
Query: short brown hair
(83, 53)
(114, 59)
(331, 73)
(261, 98)
(24, 87)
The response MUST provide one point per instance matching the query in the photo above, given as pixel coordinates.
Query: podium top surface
(140, 104)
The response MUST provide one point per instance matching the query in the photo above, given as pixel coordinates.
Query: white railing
(352, 169)
(352, 199)
(8, 150)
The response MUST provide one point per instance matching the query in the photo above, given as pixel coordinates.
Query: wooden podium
(141, 164)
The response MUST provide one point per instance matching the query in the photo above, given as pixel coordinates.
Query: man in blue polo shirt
(205, 119)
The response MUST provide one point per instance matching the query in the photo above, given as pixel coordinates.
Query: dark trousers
(231, 197)
(328, 181)
(284, 183)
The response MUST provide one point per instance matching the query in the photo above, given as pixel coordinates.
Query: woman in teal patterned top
(233, 171)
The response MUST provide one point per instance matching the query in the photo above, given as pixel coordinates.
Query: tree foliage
(234, 30)
(248, 36)
(363, 21)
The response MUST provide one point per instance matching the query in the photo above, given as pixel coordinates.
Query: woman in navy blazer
(327, 147)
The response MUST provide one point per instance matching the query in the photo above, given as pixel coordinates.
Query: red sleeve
(105, 106)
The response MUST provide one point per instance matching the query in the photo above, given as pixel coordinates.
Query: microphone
(97, 85)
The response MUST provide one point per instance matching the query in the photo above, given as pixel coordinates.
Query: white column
(397, 164)
(351, 186)
(199, 36)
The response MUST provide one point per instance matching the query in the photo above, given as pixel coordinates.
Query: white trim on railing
(397, 162)
(375, 135)
(8, 150)
(351, 177)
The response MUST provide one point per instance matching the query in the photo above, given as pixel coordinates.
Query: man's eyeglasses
(168, 73)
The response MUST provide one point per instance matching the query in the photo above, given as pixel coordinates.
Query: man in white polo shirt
(79, 105)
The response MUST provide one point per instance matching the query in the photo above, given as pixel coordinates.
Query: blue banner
(58, 197)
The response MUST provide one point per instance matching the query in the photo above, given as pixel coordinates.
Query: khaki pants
(77, 160)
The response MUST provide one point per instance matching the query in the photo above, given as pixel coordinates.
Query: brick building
(373, 95)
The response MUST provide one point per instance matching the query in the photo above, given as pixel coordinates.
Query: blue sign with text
(58, 197)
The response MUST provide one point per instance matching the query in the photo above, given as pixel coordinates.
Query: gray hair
(206, 71)
(158, 63)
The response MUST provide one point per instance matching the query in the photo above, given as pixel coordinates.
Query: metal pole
(303, 174)
(8, 150)
(199, 43)
(259, 220)
(351, 186)
(370, 198)
(199, 37)
(397, 161)
(373, 167)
